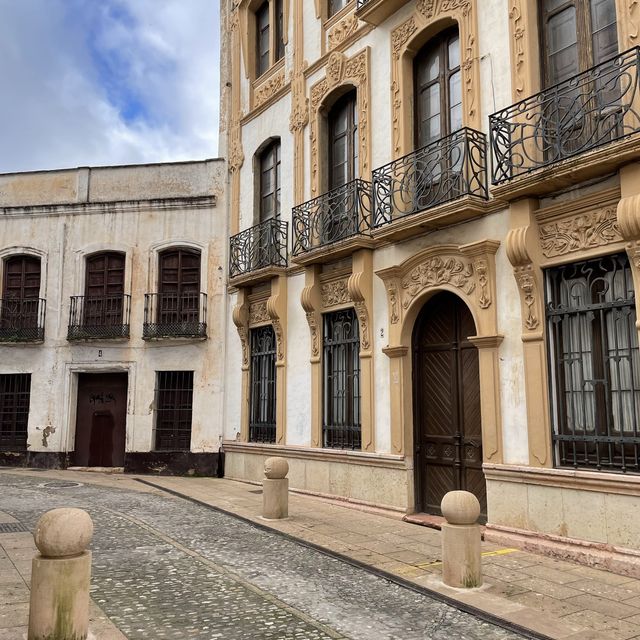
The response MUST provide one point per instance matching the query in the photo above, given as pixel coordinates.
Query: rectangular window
(594, 364)
(341, 377)
(262, 420)
(336, 5)
(15, 392)
(280, 26)
(262, 28)
(173, 404)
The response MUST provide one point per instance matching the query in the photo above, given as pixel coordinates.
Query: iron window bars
(591, 109)
(341, 381)
(449, 168)
(594, 364)
(175, 315)
(174, 405)
(336, 215)
(262, 416)
(22, 319)
(15, 392)
(261, 246)
(104, 317)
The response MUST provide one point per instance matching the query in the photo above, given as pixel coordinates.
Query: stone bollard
(461, 559)
(61, 576)
(275, 489)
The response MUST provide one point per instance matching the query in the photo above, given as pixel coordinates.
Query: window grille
(341, 375)
(262, 420)
(173, 403)
(594, 364)
(15, 391)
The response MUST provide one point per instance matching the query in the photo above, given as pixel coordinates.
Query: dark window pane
(262, 418)
(15, 395)
(173, 403)
(262, 27)
(343, 141)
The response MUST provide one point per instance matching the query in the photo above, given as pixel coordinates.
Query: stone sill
(600, 481)
(257, 276)
(343, 456)
(377, 11)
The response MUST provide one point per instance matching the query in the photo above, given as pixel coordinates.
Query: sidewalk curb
(380, 573)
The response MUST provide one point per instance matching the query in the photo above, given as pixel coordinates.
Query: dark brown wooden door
(101, 420)
(446, 384)
(104, 289)
(179, 286)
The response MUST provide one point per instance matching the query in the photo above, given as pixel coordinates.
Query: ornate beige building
(434, 243)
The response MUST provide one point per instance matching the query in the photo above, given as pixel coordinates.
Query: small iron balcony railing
(22, 319)
(337, 215)
(440, 172)
(102, 317)
(596, 107)
(175, 315)
(261, 246)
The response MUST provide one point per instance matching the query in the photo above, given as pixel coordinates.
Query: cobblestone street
(164, 567)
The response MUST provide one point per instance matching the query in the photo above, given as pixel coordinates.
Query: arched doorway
(446, 400)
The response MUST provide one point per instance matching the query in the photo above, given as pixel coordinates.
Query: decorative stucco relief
(264, 92)
(343, 30)
(299, 117)
(403, 45)
(585, 231)
(341, 70)
(240, 319)
(334, 293)
(258, 313)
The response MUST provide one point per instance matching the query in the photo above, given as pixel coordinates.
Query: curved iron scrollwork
(440, 172)
(264, 245)
(336, 215)
(591, 109)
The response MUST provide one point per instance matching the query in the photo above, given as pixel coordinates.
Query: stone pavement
(554, 598)
(168, 568)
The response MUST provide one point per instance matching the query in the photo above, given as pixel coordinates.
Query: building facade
(112, 317)
(433, 255)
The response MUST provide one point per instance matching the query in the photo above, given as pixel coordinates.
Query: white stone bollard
(61, 576)
(461, 554)
(275, 489)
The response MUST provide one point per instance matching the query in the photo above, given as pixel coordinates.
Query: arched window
(343, 141)
(269, 161)
(21, 314)
(576, 35)
(438, 90)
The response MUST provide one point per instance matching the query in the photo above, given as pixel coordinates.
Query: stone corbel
(277, 312)
(628, 215)
(360, 288)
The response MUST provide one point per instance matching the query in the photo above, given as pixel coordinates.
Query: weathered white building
(112, 317)
(426, 298)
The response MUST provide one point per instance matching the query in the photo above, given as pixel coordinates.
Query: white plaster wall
(64, 234)
(233, 376)
(298, 367)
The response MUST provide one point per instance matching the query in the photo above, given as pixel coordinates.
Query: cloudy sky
(97, 82)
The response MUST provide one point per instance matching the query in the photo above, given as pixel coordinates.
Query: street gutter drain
(61, 484)
(12, 527)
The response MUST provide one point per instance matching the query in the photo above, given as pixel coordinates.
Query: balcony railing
(173, 315)
(264, 245)
(591, 109)
(337, 215)
(443, 171)
(22, 319)
(101, 317)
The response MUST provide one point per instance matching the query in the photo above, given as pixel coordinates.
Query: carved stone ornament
(517, 31)
(363, 322)
(299, 117)
(335, 67)
(438, 271)
(343, 30)
(335, 293)
(258, 313)
(315, 339)
(401, 34)
(236, 155)
(585, 231)
(244, 341)
(527, 284)
(392, 291)
(277, 329)
(481, 270)
(267, 90)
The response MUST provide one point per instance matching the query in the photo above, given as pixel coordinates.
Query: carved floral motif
(343, 30)
(527, 283)
(517, 31)
(401, 35)
(277, 329)
(481, 270)
(363, 321)
(300, 105)
(334, 293)
(437, 271)
(393, 302)
(315, 340)
(593, 229)
(258, 313)
(267, 90)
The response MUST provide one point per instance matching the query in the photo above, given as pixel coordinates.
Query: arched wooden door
(446, 391)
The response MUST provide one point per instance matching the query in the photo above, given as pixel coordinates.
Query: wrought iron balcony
(443, 171)
(99, 317)
(337, 215)
(259, 247)
(173, 315)
(22, 319)
(592, 109)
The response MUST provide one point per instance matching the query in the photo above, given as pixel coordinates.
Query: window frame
(276, 26)
(262, 384)
(349, 103)
(181, 409)
(273, 149)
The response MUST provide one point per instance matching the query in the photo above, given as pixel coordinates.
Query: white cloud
(88, 82)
